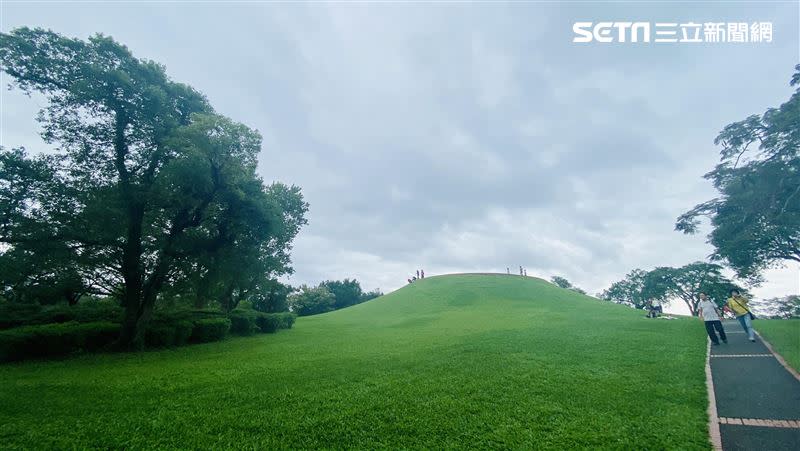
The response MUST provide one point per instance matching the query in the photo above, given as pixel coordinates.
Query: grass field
(475, 361)
(784, 336)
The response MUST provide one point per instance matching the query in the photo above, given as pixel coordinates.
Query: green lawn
(784, 336)
(453, 361)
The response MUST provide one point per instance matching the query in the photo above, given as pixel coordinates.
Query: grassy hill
(453, 361)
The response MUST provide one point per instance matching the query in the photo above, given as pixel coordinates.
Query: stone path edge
(713, 420)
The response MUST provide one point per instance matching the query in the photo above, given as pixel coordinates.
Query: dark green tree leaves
(756, 218)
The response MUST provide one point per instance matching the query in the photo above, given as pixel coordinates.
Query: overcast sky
(461, 136)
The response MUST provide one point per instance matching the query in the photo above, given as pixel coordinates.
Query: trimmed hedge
(55, 339)
(16, 315)
(286, 320)
(211, 329)
(243, 322)
(272, 322)
(168, 333)
(75, 331)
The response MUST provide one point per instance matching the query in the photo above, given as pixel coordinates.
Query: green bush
(272, 322)
(243, 322)
(211, 329)
(16, 315)
(268, 322)
(287, 320)
(55, 339)
(162, 333)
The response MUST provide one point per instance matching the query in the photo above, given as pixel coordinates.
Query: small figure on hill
(525, 272)
(508, 270)
(709, 313)
(520, 270)
(738, 305)
(421, 273)
(418, 274)
(409, 281)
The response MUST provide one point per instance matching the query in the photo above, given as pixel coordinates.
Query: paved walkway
(757, 399)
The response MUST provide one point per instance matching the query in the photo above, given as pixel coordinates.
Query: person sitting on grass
(738, 305)
(710, 316)
(653, 310)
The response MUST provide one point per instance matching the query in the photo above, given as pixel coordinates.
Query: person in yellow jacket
(738, 305)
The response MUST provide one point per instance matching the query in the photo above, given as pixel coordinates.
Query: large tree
(629, 291)
(347, 292)
(687, 283)
(756, 218)
(148, 187)
(311, 301)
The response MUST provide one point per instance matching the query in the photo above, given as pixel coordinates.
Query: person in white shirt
(709, 312)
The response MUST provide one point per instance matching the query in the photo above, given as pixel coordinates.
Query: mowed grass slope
(784, 335)
(462, 361)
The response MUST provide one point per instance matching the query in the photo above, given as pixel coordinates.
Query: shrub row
(248, 322)
(16, 315)
(165, 329)
(50, 340)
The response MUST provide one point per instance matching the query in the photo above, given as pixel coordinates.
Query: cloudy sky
(461, 136)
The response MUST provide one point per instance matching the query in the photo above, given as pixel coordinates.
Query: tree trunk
(132, 277)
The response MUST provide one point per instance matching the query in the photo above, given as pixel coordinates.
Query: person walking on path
(710, 316)
(738, 305)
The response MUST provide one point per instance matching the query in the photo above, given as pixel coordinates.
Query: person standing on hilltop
(421, 273)
(520, 270)
(710, 316)
(418, 274)
(738, 305)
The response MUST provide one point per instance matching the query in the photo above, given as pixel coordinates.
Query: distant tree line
(664, 284)
(328, 296)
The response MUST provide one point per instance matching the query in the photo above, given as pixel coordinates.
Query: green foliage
(311, 301)
(756, 218)
(345, 292)
(687, 283)
(562, 282)
(272, 322)
(175, 183)
(51, 340)
(211, 329)
(526, 363)
(273, 298)
(243, 322)
(268, 322)
(785, 307)
(369, 295)
(15, 315)
(285, 320)
(165, 333)
(629, 291)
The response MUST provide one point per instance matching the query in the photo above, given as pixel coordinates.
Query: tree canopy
(756, 218)
(149, 189)
(687, 283)
(629, 291)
